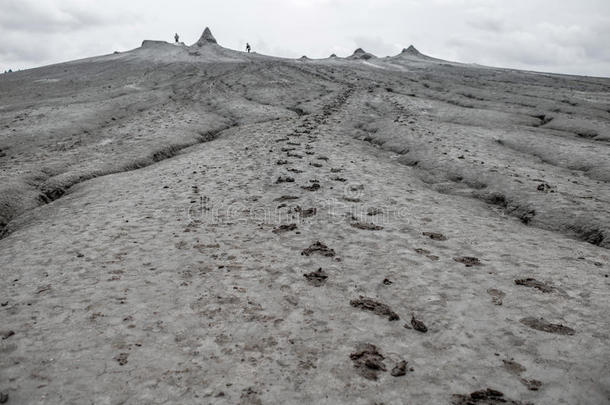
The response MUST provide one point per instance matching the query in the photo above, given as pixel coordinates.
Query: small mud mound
(379, 308)
(468, 261)
(368, 360)
(485, 397)
(316, 278)
(533, 283)
(320, 248)
(206, 38)
(285, 228)
(545, 326)
(435, 236)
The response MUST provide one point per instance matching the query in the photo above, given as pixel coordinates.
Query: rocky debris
(206, 38)
(399, 369)
(366, 226)
(320, 248)
(485, 397)
(285, 228)
(496, 296)
(286, 198)
(316, 278)
(435, 236)
(533, 283)
(368, 360)
(532, 385)
(468, 261)
(545, 326)
(284, 179)
(418, 325)
(379, 308)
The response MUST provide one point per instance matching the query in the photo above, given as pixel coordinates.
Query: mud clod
(284, 179)
(533, 283)
(435, 236)
(418, 325)
(305, 213)
(286, 198)
(368, 360)
(379, 308)
(468, 261)
(285, 228)
(366, 226)
(545, 326)
(320, 248)
(121, 358)
(496, 296)
(316, 278)
(399, 369)
(485, 397)
(313, 187)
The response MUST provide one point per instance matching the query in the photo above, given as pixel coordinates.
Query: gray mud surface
(150, 255)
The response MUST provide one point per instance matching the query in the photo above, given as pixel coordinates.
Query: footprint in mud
(305, 213)
(368, 360)
(286, 198)
(316, 278)
(496, 296)
(468, 261)
(533, 283)
(320, 248)
(435, 236)
(545, 326)
(378, 308)
(366, 226)
(285, 228)
(485, 397)
(284, 179)
(312, 187)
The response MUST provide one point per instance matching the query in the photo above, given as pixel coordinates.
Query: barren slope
(197, 225)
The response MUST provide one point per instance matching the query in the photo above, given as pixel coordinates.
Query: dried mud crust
(368, 361)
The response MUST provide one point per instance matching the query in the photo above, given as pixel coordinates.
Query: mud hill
(199, 225)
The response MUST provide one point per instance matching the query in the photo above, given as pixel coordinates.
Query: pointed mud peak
(359, 51)
(333, 55)
(411, 50)
(206, 38)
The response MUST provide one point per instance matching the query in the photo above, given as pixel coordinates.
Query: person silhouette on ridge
(177, 37)
(248, 48)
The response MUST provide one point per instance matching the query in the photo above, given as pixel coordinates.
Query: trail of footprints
(367, 358)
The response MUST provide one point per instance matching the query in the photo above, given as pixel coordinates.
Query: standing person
(177, 37)
(248, 47)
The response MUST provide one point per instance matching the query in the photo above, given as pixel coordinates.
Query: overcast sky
(564, 36)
